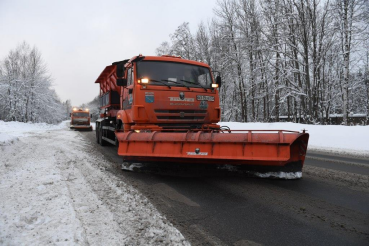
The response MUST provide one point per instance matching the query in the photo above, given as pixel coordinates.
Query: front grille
(181, 115)
(179, 125)
(180, 118)
(174, 111)
(79, 121)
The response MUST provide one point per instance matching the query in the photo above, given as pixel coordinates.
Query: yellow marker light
(74, 109)
(144, 81)
(139, 81)
(138, 131)
(214, 85)
(86, 109)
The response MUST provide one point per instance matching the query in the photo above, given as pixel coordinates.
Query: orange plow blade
(258, 150)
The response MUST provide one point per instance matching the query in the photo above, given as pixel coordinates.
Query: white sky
(78, 38)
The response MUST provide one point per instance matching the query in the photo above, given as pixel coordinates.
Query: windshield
(80, 114)
(174, 74)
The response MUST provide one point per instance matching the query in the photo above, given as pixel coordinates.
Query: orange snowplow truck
(166, 109)
(80, 119)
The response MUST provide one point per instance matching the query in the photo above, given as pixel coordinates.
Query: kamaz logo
(181, 95)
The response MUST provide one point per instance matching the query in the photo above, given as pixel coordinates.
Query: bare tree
(25, 88)
(296, 60)
(164, 49)
(348, 14)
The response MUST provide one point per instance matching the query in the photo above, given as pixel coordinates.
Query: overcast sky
(78, 38)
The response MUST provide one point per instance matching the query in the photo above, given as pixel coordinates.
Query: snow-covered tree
(296, 59)
(25, 88)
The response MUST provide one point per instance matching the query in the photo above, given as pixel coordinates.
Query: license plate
(205, 98)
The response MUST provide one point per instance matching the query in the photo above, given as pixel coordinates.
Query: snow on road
(54, 190)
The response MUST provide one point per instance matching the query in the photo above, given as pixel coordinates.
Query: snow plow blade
(254, 150)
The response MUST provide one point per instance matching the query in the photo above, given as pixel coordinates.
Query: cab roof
(171, 59)
(110, 69)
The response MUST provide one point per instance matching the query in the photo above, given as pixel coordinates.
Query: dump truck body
(80, 119)
(166, 109)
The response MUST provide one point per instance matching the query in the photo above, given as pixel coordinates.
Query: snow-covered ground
(11, 131)
(55, 189)
(331, 138)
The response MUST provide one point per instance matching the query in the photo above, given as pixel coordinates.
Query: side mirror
(120, 69)
(121, 82)
(70, 114)
(218, 80)
(90, 115)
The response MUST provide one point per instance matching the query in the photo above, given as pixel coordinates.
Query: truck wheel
(118, 127)
(97, 128)
(102, 141)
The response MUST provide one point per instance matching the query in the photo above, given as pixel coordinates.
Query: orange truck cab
(148, 93)
(80, 119)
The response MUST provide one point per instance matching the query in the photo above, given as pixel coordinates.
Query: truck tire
(97, 129)
(116, 142)
(102, 141)
(118, 127)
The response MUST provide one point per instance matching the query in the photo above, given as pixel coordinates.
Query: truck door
(128, 91)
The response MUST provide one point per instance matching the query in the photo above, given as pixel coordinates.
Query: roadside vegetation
(284, 60)
(26, 93)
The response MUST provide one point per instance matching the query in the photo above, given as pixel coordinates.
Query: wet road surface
(328, 206)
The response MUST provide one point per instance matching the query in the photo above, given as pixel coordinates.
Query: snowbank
(10, 131)
(55, 189)
(93, 124)
(331, 138)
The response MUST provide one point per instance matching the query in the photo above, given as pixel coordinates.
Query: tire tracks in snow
(35, 202)
(65, 195)
(134, 218)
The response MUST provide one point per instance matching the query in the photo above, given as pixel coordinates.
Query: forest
(292, 60)
(26, 93)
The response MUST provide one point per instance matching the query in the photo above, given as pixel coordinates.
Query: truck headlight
(145, 81)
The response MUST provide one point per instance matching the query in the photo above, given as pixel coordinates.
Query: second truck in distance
(80, 119)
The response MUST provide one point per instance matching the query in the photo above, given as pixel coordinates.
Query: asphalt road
(328, 206)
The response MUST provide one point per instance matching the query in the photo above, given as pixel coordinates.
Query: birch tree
(348, 14)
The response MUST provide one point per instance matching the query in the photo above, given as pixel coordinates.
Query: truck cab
(80, 119)
(155, 93)
(168, 93)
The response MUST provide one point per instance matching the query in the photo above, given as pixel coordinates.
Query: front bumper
(81, 127)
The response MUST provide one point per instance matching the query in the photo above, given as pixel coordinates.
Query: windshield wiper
(194, 84)
(175, 82)
(153, 80)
